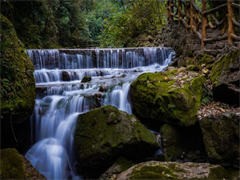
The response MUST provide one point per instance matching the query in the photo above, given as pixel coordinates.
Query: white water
(62, 97)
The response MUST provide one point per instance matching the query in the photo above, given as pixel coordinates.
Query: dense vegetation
(17, 88)
(84, 23)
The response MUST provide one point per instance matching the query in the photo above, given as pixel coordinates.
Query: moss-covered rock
(225, 76)
(106, 133)
(14, 166)
(175, 170)
(17, 88)
(221, 137)
(86, 79)
(11, 164)
(119, 166)
(182, 143)
(173, 96)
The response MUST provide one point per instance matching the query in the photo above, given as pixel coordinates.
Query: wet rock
(65, 76)
(104, 134)
(173, 96)
(86, 79)
(176, 170)
(182, 143)
(103, 88)
(119, 166)
(17, 89)
(14, 166)
(221, 137)
(98, 98)
(225, 76)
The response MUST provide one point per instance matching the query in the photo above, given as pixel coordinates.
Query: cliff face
(17, 89)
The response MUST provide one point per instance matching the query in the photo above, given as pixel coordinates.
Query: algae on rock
(173, 96)
(104, 134)
(176, 170)
(14, 166)
(17, 88)
(221, 138)
(225, 76)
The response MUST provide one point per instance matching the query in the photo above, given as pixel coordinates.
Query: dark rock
(14, 166)
(104, 134)
(98, 98)
(103, 88)
(86, 79)
(176, 170)
(225, 76)
(173, 96)
(182, 143)
(186, 43)
(221, 137)
(228, 93)
(17, 89)
(65, 76)
(119, 166)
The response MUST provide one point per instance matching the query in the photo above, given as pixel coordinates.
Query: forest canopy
(84, 23)
(88, 23)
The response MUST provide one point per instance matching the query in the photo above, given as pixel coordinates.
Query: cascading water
(62, 96)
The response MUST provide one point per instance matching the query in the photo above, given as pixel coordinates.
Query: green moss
(177, 171)
(204, 59)
(221, 138)
(153, 172)
(192, 68)
(172, 142)
(164, 97)
(86, 79)
(11, 164)
(17, 81)
(223, 65)
(103, 123)
(105, 133)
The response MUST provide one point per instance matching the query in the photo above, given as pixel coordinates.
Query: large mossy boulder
(173, 96)
(17, 89)
(104, 134)
(225, 76)
(221, 137)
(182, 143)
(14, 166)
(175, 170)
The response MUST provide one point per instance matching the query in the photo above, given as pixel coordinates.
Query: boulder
(173, 96)
(17, 89)
(225, 76)
(119, 166)
(65, 76)
(176, 170)
(221, 137)
(14, 166)
(86, 79)
(182, 143)
(104, 134)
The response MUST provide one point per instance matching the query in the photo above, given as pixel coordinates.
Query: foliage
(84, 23)
(48, 23)
(136, 18)
(101, 10)
(16, 70)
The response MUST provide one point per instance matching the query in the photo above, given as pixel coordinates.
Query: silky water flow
(62, 95)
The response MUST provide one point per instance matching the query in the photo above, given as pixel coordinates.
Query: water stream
(62, 96)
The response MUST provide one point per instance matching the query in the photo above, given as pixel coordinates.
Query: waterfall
(62, 96)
